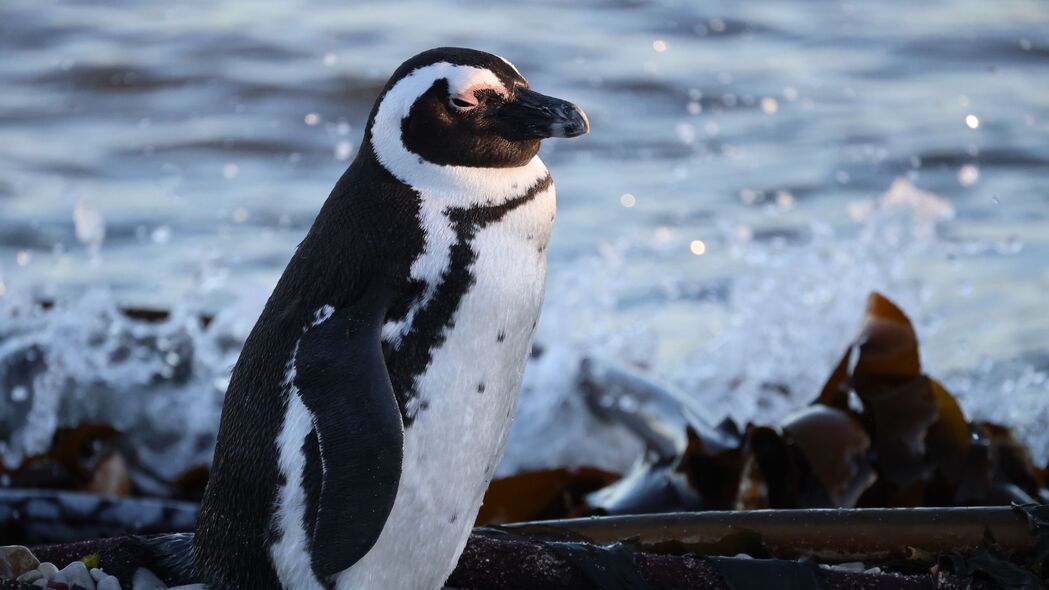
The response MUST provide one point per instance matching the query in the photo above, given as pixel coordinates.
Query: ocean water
(754, 171)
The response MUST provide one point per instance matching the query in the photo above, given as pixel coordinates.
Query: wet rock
(16, 560)
(97, 574)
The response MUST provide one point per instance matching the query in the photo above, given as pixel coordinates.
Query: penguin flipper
(342, 379)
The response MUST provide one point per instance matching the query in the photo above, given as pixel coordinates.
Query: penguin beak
(536, 116)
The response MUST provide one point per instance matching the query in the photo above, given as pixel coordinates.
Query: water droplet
(749, 196)
(659, 45)
(686, 133)
(343, 150)
(697, 247)
(628, 403)
(627, 200)
(230, 171)
(769, 105)
(972, 121)
(312, 119)
(89, 225)
(161, 234)
(968, 175)
(19, 393)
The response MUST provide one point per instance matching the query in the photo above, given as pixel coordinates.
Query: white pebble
(146, 580)
(41, 582)
(76, 573)
(48, 569)
(108, 583)
(30, 576)
(98, 574)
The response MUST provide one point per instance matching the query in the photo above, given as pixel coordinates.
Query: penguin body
(371, 403)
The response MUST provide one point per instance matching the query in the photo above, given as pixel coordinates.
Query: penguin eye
(461, 104)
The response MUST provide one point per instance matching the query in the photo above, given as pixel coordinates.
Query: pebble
(16, 560)
(30, 577)
(42, 582)
(75, 574)
(146, 580)
(97, 574)
(108, 583)
(48, 569)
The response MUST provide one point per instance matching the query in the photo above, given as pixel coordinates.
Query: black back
(367, 233)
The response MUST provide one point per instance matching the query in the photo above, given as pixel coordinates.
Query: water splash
(759, 344)
(764, 345)
(84, 360)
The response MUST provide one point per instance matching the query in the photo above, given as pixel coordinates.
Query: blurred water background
(754, 170)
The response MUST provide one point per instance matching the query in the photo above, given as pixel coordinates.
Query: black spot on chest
(430, 324)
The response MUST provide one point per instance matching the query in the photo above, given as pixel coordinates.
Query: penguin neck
(453, 186)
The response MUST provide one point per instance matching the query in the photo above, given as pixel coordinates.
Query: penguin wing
(353, 456)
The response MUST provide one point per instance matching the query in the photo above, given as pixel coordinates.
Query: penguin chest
(460, 404)
(465, 395)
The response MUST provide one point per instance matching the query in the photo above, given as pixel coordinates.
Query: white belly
(466, 398)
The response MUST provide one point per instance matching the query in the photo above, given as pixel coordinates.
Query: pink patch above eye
(466, 99)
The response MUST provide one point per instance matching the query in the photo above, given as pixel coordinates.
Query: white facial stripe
(454, 186)
(512, 66)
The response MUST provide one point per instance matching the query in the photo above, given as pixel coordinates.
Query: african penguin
(371, 403)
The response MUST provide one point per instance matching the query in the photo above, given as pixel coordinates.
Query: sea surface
(754, 170)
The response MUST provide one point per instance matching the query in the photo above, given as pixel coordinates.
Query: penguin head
(466, 108)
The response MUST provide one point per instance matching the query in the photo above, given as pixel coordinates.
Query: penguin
(371, 402)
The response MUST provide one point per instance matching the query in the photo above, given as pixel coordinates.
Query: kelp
(553, 493)
(519, 560)
(880, 433)
(99, 459)
(871, 535)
